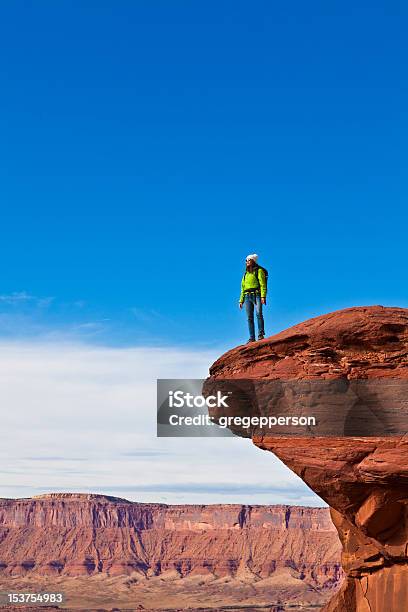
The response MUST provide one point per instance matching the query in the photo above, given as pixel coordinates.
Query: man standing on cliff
(253, 295)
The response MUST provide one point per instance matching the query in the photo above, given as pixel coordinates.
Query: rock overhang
(363, 478)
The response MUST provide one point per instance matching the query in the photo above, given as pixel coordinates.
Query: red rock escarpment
(363, 479)
(73, 535)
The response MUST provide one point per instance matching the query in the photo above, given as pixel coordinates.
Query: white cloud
(16, 297)
(22, 297)
(83, 418)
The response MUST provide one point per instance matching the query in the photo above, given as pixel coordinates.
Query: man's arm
(262, 285)
(241, 297)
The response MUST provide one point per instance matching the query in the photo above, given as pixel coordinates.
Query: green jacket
(250, 281)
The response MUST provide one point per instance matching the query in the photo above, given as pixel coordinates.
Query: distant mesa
(176, 555)
(81, 497)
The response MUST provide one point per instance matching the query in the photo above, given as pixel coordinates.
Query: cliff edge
(363, 479)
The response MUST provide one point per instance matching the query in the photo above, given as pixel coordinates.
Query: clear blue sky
(147, 146)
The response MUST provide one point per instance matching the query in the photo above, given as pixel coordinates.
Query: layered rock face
(363, 479)
(80, 535)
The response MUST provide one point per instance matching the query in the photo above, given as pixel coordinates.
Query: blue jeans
(254, 300)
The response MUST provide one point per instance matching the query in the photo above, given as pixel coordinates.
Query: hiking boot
(250, 340)
(261, 336)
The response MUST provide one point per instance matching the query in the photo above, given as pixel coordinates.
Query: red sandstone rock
(364, 479)
(73, 535)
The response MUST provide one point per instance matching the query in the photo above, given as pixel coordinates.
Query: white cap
(254, 257)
